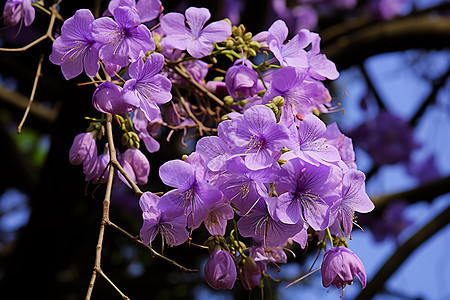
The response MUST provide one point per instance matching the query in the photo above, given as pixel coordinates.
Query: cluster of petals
(276, 202)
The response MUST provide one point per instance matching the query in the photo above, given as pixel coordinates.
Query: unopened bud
(248, 36)
(252, 52)
(213, 60)
(229, 44)
(236, 31)
(278, 101)
(184, 157)
(228, 100)
(227, 20)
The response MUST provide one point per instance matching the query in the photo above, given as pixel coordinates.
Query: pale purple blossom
(147, 89)
(136, 165)
(75, 49)
(198, 41)
(293, 53)
(192, 198)
(124, 38)
(241, 78)
(173, 230)
(84, 151)
(354, 199)
(147, 9)
(259, 136)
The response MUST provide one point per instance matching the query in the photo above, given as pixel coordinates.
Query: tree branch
(425, 192)
(394, 262)
(421, 31)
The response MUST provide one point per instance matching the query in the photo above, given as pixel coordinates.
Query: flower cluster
(274, 168)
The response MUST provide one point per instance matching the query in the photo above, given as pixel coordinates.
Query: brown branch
(136, 189)
(33, 91)
(437, 85)
(420, 31)
(106, 204)
(139, 242)
(425, 192)
(402, 253)
(198, 86)
(100, 271)
(186, 107)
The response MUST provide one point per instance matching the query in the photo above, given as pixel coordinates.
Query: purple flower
(354, 198)
(260, 225)
(310, 145)
(303, 190)
(250, 273)
(244, 187)
(17, 10)
(259, 136)
(146, 130)
(293, 53)
(340, 266)
(146, 88)
(172, 230)
(192, 198)
(84, 151)
(124, 38)
(300, 93)
(241, 78)
(220, 270)
(136, 164)
(219, 214)
(197, 41)
(147, 9)
(75, 48)
(108, 98)
(342, 143)
(320, 67)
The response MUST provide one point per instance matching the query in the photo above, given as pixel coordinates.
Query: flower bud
(340, 266)
(220, 270)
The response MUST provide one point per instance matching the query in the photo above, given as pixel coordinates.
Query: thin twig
(199, 87)
(139, 242)
(106, 204)
(301, 278)
(136, 189)
(33, 91)
(100, 271)
(186, 107)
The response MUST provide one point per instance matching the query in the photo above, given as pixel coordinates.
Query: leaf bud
(248, 36)
(252, 52)
(218, 78)
(255, 45)
(228, 100)
(227, 20)
(261, 93)
(229, 44)
(236, 31)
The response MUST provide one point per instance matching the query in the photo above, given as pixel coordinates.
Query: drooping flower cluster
(274, 166)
